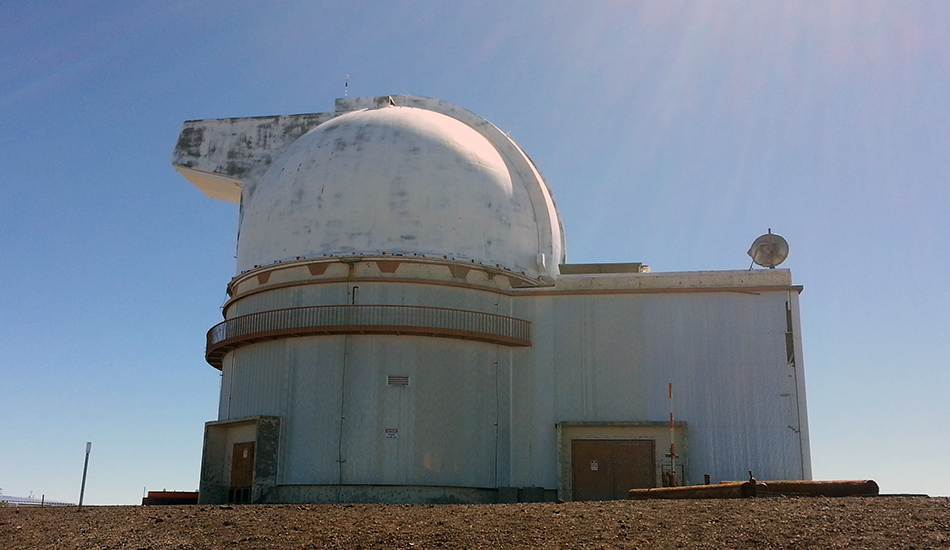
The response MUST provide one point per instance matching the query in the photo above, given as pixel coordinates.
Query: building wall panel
(368, 293)
(613, 357)
(442, 429)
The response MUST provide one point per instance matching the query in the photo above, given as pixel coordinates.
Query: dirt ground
(851, 522)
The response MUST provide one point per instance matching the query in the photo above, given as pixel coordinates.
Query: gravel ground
(852, 522)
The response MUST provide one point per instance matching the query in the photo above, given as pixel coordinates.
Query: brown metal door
(593, 478)
(634, 466)
(604, 469)
(242, 465)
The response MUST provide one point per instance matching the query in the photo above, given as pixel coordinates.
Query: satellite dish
(769, 250)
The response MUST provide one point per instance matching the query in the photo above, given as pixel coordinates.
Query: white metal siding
(446, 420)
(373, 293)
(611, 357)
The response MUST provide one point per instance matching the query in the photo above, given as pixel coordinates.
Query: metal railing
(365, 319)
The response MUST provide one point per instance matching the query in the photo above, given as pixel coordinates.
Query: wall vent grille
(397, 380)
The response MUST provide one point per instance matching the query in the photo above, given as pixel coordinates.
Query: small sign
(392, 433)
(593, 465)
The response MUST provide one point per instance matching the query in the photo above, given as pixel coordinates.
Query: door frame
(659, 432)
(220, 437)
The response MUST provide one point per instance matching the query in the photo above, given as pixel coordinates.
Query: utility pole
(85, 467)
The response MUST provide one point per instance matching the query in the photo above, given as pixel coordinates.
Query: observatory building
(404, 327)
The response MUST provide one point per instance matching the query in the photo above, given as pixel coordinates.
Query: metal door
(605, 469)
(242, 465)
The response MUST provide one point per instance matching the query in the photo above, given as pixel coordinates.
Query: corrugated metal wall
(483, 415)
(600, 358)
(387, 293)
(336, 405)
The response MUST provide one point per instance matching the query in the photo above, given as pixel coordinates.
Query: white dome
(399, 180)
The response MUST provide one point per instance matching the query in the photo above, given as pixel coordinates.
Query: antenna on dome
(346, 84)
(769, 250)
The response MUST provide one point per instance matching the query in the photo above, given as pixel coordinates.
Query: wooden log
(837, 488)
(726, 489)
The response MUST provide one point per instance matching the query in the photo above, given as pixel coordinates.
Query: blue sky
(670, 133)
